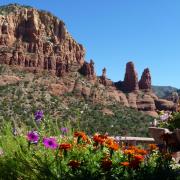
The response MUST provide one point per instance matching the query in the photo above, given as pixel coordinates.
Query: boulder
(162, 104)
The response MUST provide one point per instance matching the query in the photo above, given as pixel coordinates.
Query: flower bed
(49, 152)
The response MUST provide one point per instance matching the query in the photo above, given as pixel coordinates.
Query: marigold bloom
(80, 134)
(126, 164)
(114, 146)
(100, 139)
(74, 164)
(129, 152)
(109, 141)
(106, 164)
(141, 151)
(65, 146)
(33, 137)
(132, 148)
(138, 157)
(152, 147)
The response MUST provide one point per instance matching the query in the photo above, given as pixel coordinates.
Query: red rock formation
(87, 70)
(103, 77)
(145, 81)
(38, 40)
(130, 82)
(162, 104)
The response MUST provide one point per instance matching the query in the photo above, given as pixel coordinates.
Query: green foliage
(22, 160)
(174, 122)
(18, 103)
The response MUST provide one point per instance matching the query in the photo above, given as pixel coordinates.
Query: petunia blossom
(33, 137)
(38, 115)
(50, 143)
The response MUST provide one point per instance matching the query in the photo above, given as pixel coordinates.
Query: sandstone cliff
(38, 42)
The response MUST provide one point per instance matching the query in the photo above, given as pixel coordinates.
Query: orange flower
(125, 164)
(65, 146)
(109, 141)
(106, 164)
(141, 151)
(114, 146)
(138, 157)
(133, 148)
(136, 161)
(100, 139)
(80, 134)
(74, 164)
(152, 147)
(129, 152)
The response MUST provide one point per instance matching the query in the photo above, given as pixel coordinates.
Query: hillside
(43, 67)
(19, 101)
(164, 91)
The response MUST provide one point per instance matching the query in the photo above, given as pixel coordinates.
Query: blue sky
(113, 32)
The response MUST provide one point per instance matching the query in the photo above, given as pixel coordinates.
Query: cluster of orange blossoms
(106, 141)
(81, 135)
(133, 154)
(135, 157)
(65, 146)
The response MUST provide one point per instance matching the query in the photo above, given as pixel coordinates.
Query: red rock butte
(38, 41)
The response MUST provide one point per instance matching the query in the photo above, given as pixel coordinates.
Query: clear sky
(113, 32)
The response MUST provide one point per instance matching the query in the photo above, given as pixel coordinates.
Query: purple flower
(50, 143)
(164, 117)
(38, 115)
(33, 137)
(64, 130)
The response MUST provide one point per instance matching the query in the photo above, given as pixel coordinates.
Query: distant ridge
(164, 91)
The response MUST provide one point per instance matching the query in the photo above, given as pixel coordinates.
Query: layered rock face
(145, 81)
(139, 94)
(130, 82)
(88, 69)
(104, 80)
(35, 39)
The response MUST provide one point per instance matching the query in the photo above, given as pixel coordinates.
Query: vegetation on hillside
(18, 103)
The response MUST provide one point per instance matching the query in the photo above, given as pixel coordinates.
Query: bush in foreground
(49, 152)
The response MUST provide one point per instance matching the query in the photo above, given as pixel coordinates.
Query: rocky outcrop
(103, 77)
(104, 80)
(162, 104)
(38, 42)
(145, 81)
(130, 82)
(87, 70)
(36, 39)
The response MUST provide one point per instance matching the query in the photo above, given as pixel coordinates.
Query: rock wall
(35, 39)
(38, 41)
